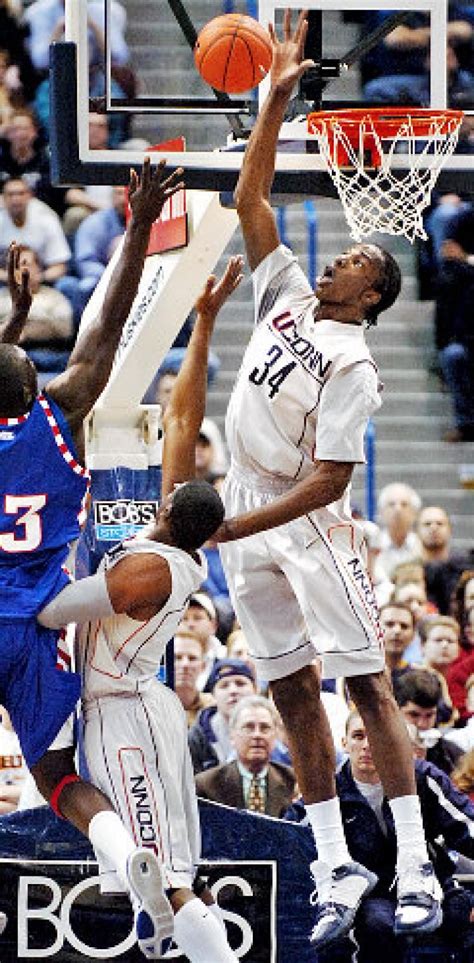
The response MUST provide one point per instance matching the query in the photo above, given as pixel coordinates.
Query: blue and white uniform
(43, 490)
(304, 393)
(135, 728)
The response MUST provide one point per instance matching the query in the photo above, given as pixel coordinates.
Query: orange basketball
(233, 53)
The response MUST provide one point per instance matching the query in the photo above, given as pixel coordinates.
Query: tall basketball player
(295, 429)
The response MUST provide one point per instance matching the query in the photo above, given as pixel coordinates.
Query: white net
(383, 197)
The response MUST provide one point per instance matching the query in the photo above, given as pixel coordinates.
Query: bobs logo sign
(55, 911)
(116, 520)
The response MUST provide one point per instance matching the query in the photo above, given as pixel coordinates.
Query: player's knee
(294, 692)
(372, 693)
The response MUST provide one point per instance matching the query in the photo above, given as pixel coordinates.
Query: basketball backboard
(172, 99)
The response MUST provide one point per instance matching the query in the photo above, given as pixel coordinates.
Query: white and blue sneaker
(337, 898)
(154, 919)
(419, 896)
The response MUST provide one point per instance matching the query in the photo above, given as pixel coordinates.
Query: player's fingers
(302, 34)
(146, 171)
(287, 24)
(133, 182)
(171, 180)
(11, 262)
(174, 190)
(273, 36)
(301, 25)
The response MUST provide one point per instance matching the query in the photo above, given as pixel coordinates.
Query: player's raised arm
(19, 289)
(252, 194)
(77, 389)
(186, 408)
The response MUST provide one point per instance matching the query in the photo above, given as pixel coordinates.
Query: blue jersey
(42, 506)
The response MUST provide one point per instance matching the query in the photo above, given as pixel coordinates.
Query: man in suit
(251, 781)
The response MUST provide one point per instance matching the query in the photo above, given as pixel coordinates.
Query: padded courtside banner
(124, 501)
(257, 868)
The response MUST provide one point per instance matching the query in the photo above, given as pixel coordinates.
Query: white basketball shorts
(301, 591)
(137, 752)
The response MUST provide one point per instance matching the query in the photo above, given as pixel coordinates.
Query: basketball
(233, 53)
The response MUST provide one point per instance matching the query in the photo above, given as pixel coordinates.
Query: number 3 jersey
(42, 500)
(306, 388)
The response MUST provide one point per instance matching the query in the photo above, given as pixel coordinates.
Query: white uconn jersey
(115, 654)
(305, 388)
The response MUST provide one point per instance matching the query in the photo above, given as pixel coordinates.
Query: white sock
(109, 837)
(326, 823)
(198, 934)
(406, 811)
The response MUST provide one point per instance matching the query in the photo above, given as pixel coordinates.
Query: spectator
(413, 595)
(48, 331)
(462, 604)
(210, 451)
(453, 328)
(402, 53)
(370, 835)
(209, 738)
(398, 505)
(463, 775)
(82, 201)
(398, 628)
(414, 89)
(45, 19)
(419, 694)
(13, 769)
(439, 636)
(95, 242)
(23, 154)
(13, 35)
(442, 568)
(10, 94)
(27, 220)
(200, 617)
(238, 648)
(188, 665)
(251, 781)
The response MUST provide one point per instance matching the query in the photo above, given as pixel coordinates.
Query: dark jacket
(223, 784)
(201, 737)
(446, 812)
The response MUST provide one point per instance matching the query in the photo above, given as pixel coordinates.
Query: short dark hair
(388, 285)
(196, 512)
(419, 686)
(18, 381)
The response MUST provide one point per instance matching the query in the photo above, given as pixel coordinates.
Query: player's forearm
(258, 166)
(192, 379)
(325, 486)
(81, 601)
(13, 328)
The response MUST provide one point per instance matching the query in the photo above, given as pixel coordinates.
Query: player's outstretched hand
(19, 288)
(216, 292)
(288, 54)
(149, 192)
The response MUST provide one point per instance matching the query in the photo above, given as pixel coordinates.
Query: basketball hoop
(359, 147)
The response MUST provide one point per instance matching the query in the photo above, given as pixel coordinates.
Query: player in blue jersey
(43, 485)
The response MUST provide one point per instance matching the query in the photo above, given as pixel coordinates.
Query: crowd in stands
(424, 589)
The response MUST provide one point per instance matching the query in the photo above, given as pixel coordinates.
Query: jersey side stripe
(63, 448)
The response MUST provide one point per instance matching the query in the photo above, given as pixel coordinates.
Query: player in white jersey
(295, 429)
(135, 729)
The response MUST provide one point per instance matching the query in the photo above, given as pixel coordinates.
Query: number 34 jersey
(306, 388)
(42, 500)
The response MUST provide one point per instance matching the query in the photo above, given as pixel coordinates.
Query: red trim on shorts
(54, 801)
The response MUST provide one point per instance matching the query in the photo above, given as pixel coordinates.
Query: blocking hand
(149, 192)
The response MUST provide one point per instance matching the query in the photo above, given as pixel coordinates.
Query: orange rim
(386, 121)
